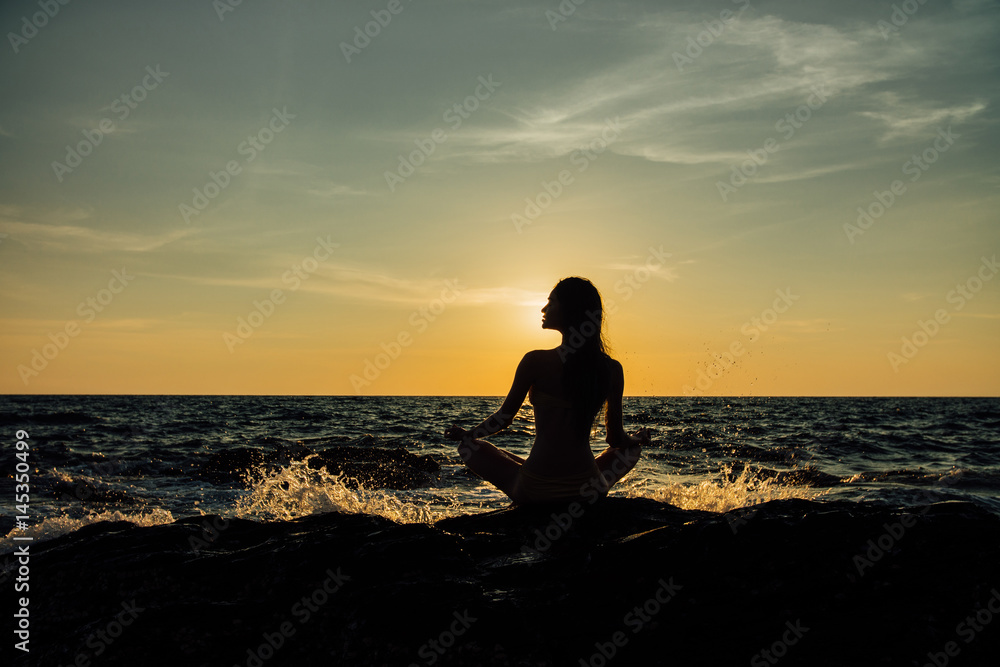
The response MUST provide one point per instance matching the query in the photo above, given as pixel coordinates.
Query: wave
(750, 487)
(56, 526)
(297, 490)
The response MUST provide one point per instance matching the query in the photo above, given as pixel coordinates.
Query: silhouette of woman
(568, 385)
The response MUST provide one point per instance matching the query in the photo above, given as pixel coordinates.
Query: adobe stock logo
(122, 107)
(454, 115)
(30, 28)
(752, 329)
(419, 320)
(251, 147)
(929, 328)
(88, 310)
(381, 18)
(915, 167)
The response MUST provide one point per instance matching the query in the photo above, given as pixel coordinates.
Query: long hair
(586, 377)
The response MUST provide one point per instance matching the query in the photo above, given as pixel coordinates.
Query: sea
(143, 459)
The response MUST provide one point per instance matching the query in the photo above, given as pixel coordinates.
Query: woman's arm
(524, 376)
(616, 436)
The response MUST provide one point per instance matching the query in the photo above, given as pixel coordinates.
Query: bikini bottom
(533, 488)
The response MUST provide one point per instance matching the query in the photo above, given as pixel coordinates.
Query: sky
(338, 198)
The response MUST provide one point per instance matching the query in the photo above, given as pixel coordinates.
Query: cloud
(800, 174)
(765, 64)
(913, 118)
(354, 283)
(667, 273)
(303, 177)
(76, 239)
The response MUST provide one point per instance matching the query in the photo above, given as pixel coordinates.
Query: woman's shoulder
(542, 356)
(614, 365)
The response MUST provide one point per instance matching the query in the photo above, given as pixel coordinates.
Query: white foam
(298, 490)
(53, 527)
(749, 488)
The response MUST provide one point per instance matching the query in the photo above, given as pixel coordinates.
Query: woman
(568, 385)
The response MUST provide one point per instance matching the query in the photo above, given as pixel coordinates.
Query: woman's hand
(455, 432)
(640, 437)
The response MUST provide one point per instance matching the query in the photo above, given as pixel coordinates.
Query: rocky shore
(619, 582)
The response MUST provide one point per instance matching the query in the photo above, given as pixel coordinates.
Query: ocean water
(155, 459)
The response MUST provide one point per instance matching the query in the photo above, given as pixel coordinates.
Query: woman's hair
(586, 364)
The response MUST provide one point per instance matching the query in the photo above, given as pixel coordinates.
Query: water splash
(55, 526)
(748, 488)
(298, 490)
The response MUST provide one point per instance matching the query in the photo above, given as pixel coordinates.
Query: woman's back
(562, 435)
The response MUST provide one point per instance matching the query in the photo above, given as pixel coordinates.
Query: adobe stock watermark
(878, 548)
(779, 649)
(293, 277)
(468, 446)
(915, 168)
(565, 9)
(251, 147)
(454, 115)
(223, 7)
(100, 640)
(552, 190)
(381, 18)
(927, 329)
(432, 651)
(38, 20)
(752, 329)
(967, 629)
(210, 531)
(628, 285)
(122, 107)
(636, 619)
(899, 17)
(633, 281)
(740, 517)
(793, 121)
(592, 490)
(419, 320)
(714, 28)
(88, 309)
(302, 611)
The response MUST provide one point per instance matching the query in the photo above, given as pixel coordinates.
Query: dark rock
(377, 467)
(649, 583)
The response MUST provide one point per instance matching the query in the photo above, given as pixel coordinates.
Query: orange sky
(804, 205)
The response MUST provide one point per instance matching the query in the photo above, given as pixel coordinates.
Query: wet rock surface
(622, 581)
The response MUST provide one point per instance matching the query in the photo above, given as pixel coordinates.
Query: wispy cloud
(787, 331)
(74, 238)
(355, 283)
(800, 174)
(667, 273)
(759, 63)
(910, 117)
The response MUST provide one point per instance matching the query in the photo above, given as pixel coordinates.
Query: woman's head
(575, 310)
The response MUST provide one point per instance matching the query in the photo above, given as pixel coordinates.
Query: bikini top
(539, 398)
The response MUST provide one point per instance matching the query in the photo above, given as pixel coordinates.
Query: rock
(622, 581)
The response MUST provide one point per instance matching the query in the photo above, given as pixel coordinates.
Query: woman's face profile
(550, 314)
